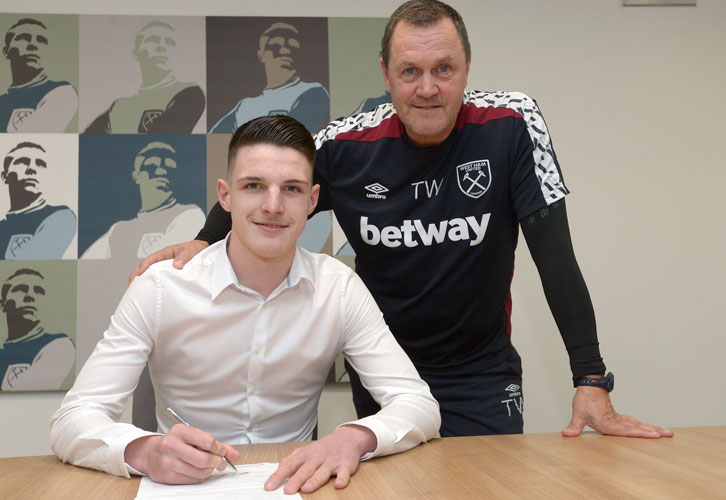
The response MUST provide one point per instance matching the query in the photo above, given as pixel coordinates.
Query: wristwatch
(607, 382)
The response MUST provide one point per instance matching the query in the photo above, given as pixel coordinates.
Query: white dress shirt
(246, 368)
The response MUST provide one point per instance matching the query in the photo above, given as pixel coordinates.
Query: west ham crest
(474, 178)
(148, 118)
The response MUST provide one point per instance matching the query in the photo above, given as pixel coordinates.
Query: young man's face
(25, 297)
(28, 46)
(269, 195)
(426, 76)
(26, 170)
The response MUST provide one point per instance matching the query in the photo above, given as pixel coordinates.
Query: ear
(385, 75)
(135, 176)
(136, 54)
(5, 52)
(314, 194)
(259, 54)
(223, 194)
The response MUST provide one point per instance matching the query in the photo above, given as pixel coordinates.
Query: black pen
(180, 420)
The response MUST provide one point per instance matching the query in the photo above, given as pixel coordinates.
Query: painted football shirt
(19, 102)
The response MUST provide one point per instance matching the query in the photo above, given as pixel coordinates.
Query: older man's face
(426, 76)
(27, 169)
(28, 46)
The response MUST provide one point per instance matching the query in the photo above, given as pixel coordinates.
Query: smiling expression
(269, 194)
(426, 76)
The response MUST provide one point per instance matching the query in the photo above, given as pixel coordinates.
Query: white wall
(634, 100)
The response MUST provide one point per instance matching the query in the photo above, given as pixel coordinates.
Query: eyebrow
(262, 179)
(445, 59)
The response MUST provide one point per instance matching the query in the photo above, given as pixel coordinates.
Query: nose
(160, 170)
(427, 87)
(272, 203)
(29, 298)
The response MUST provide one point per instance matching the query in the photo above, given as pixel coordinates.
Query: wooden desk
(541, 466)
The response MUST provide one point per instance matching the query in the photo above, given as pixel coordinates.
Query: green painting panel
(54, 308)
(60, 58)
(355, 70)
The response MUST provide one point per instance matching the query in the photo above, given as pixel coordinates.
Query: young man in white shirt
(240, 343)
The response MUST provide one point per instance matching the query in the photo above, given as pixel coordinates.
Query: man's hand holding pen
(185, 455)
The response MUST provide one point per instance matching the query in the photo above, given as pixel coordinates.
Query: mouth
(427, 107)
(271, 226)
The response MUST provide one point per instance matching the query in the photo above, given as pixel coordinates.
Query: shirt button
(252, 391)
(257, 351)
(249, 428)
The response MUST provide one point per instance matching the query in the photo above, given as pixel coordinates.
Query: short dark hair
(7, 285)
(277, 130)
(9, 34)
(9, 158)
(423, 13)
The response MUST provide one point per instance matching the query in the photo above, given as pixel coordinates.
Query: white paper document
(245, 484)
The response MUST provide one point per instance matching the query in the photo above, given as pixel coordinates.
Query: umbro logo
(376, 191)
(512, 388)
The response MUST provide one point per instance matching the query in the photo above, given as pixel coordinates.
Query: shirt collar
(223, 275)
(36, 205)
(38, 331)
(289, 84)
(38, 80)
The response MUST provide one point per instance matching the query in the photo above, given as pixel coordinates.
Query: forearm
(548, 237)
(218, 224)
(402, 425)
(86, 430)
(87, 437)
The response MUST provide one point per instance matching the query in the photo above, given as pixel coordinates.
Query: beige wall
(634, 101)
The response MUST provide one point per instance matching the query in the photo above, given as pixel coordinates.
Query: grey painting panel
(142, 74)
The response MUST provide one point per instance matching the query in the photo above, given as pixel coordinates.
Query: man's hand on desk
(337, 454)
(185, 455)
(181, 253)
(591, 406)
